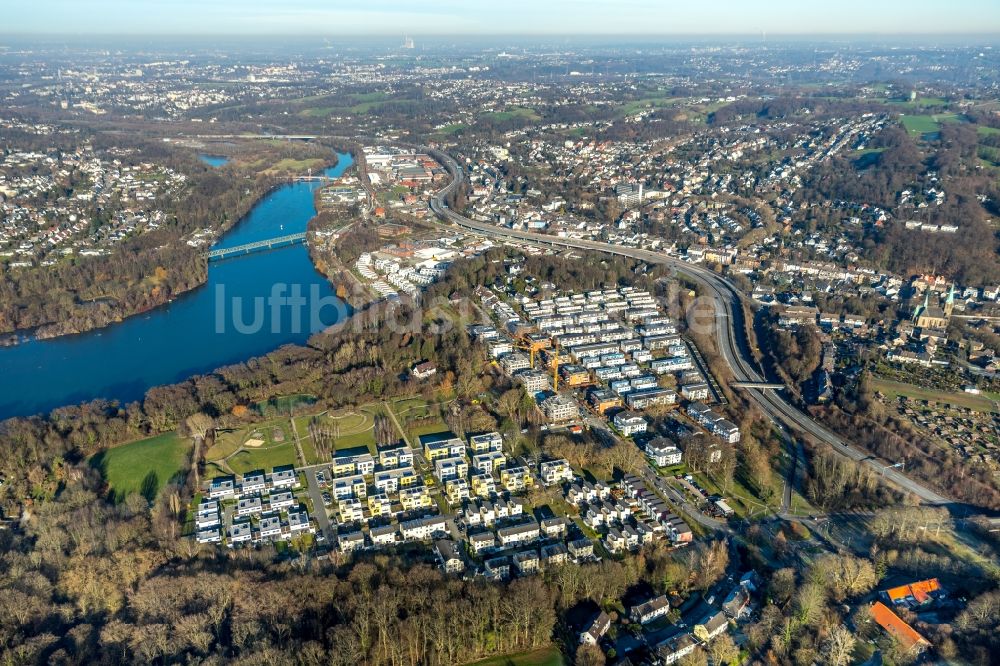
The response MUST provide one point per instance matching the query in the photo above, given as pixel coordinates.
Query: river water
(229, 319)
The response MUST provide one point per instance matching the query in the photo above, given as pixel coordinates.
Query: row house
(662, 366)
(248, 506)
(584, 491)
(606, 512)
(581, 549)
(207, 515)
(253, 483)
(384, 535)
(695, 391)
(351, 541)
(554, 555)
(648, 611)
(497, 568)
(280, 501)
(527, 562)
(284, 478)
(525, 532)
(239, 532)
(554, 528)
(650, 397)
(482, 542)
(703, 415)
(222, 487)
(422, 529)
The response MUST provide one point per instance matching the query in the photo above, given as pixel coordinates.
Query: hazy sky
(417, 17)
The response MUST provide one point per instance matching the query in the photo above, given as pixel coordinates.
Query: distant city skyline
(462, 17)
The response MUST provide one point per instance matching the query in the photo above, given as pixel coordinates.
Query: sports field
(144, 466)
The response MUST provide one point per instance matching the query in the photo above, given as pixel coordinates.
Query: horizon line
(357, 35)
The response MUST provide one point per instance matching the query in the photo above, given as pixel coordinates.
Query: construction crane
(532, 345)
(555, 368)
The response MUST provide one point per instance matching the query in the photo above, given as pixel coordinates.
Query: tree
(723, 650)
(838, 648)
(589, 655)
(198, 426)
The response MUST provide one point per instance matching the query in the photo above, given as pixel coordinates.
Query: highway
(730, 330)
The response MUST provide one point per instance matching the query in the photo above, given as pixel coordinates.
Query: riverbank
(186, 261)
(225, 322)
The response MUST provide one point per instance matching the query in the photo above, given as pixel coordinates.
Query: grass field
(979, 403)
(144, 466)
(453, 128)
(515, 112)
(289, 164)
(249, 460)
(549, 656)
(927, 123)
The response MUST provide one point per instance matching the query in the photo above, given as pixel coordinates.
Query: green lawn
(144, 466)
(515, 112)
(549, 656)
(264, 458)
(453, 128)
(289, 164)
(979, 403)
(919, 124)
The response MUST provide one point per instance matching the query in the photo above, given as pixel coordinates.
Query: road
(316, 495)
(731, 336)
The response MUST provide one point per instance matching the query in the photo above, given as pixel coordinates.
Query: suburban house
(555, 471)
(423, 370)
(447, 554)
(630, 423)
(595, 631)
(897, 628)
(914, 595)
(646, 612)
(663, 452)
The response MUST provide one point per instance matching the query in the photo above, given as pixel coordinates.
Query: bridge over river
(256, 246)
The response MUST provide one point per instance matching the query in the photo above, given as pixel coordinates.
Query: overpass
(256, 246)
(757, 385)
(731, 335)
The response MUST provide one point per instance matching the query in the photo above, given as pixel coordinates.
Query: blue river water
(214, 160)
(230, 319)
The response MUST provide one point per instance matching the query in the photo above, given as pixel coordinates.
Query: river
(208, 327)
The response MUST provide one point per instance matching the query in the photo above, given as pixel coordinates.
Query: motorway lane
(734, 350)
